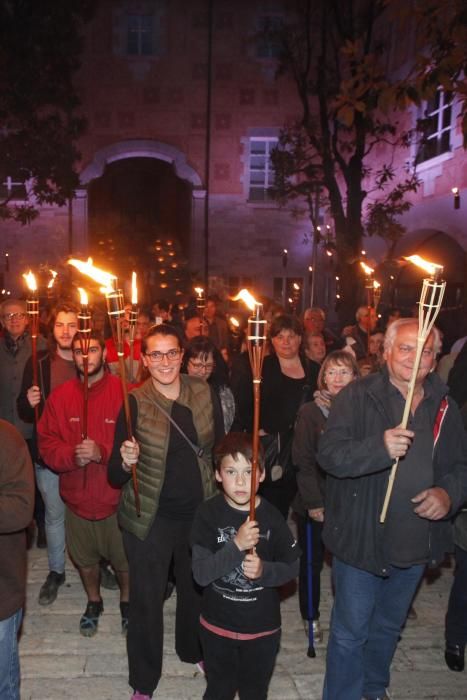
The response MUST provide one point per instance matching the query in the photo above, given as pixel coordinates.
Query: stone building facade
(144, 85)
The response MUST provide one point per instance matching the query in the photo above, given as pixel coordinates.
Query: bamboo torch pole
(115, 310)
(32, 305)
(132, 322)
(256, 340)
(431, 298)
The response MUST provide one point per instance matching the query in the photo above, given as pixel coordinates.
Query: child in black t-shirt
(240, 564)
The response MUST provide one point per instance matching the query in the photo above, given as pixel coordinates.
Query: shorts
(89, 541)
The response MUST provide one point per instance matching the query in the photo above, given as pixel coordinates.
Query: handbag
(277, 448)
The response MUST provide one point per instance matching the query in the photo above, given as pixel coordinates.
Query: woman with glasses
(203, 359)
(339, 368)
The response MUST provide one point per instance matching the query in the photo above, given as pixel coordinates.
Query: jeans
(366, 621)
(9, 660)
(456, 617)
(47, 482)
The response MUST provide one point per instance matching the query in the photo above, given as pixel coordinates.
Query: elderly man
(377, 567)
(357, 336)
(15, 349)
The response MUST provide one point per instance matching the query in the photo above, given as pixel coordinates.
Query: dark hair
(62, 307)
(285, 322)
(93, 335)
(201, 346)
(163, 305)
(234, 444)
(162, 329)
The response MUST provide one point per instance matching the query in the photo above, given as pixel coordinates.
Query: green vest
(152, 433)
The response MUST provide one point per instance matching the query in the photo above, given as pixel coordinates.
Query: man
(176, 421)
(132, 364)
(16, 505)
(91, 503)
(377, 567)
(357, 336)
(15, 349)
(314, 321)
(55, 366)
(195, 326)
(218, 329)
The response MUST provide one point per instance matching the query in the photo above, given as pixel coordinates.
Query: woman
(339, 368)
(289, 380)
(203, 359)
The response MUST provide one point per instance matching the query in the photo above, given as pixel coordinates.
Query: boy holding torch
(240, 563)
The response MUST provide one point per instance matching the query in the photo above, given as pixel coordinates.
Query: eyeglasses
(156, 356)
(93, 350)
(200, 366)
(16, 316)
(338, 373)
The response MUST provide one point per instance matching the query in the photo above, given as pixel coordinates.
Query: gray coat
(11, 377)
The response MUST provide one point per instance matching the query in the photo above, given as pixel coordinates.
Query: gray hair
(393, 329)
(12, 302)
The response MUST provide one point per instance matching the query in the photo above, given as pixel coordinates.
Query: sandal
(90, 618)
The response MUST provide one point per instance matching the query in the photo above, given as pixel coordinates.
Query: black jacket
(352, 452)
(24, 407)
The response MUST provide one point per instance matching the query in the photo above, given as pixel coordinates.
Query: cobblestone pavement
(57, 662)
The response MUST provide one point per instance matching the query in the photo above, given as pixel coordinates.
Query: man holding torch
(91, 502)
(378, 563)
(55, 366)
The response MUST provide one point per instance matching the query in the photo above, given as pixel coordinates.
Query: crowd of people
(163, 477)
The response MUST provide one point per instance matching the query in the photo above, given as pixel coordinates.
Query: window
(436, 126)
(268, 42)
(140, 35)
(261, 173)
(13, 188)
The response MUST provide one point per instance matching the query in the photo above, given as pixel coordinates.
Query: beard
(95, 370)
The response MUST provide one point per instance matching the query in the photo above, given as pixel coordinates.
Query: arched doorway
(138, 192)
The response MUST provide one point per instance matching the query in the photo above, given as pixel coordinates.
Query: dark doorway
(136, 202)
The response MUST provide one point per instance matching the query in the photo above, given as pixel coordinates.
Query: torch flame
(296, 286)
(199, 291)
(367, 270)
(234, 322)
(431, 268)
(83, 297)
(134, 289)
(30, 281)
(247, 298)
(106, 279)
(51, 283)
(376, 285)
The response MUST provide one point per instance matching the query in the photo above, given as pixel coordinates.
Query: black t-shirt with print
(232, 601)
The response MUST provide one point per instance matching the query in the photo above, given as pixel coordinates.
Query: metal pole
(207, 166)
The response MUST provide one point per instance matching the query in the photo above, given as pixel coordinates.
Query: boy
(240, 564)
